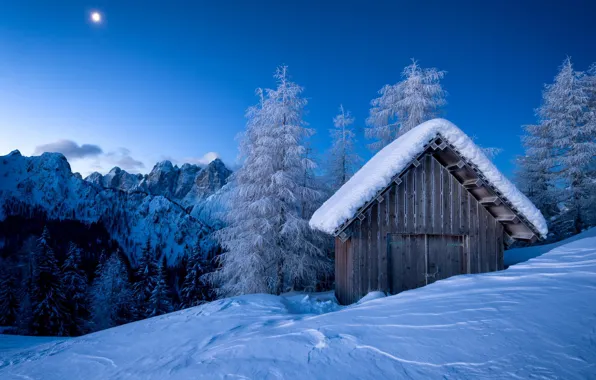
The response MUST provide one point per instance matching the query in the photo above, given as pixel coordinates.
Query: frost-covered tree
(194, 290)
(159, 302)
(534, 177)
(75, 289)
(266, 229)
(146, 278)
(566, 111)
(557, 171)
(9, 294)
(343, 159)
(589, 85)
(49, 312)
(404, 105)
(111, 295)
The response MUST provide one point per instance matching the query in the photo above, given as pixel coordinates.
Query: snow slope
(378, 172)
(519, 255)
(533, 320)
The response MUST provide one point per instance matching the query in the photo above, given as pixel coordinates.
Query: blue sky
(172, 79)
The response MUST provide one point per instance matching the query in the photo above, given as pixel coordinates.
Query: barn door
(406, 262)
(417, 260)
(445, 256)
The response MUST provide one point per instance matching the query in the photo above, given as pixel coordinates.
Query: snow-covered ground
(519, 255)
(534, 320)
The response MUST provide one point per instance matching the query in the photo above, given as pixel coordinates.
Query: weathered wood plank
(436, 194)
(410, 202)
(455, 207)
(399, 268)
(383, 231)
(361, 248)
(473, 217)
(490, 243)
(363, 280)
(420, 197)
(339, 288)
(446, 201)
(393, 209)
(419, 268)
(400, 207)
(482, 230)
(369, 252)
(407, 260)
(464, 226)
(376, 218)
(500, 247)
(349, 269)
(428, 194)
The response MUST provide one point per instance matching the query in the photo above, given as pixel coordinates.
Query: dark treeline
(67, 278)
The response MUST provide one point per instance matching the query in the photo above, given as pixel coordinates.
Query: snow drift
(533, 320)
(378, 172)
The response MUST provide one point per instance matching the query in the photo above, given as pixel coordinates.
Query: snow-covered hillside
(47, 183)
(534, 320)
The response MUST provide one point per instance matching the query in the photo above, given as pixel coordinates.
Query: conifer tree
(146, 278)
(159, 302)
(75, 288)
(194, 290)
(558, 167)
(111, 295)
(404, 105)
(50, 314)
(574, 141)
(265, 226)
(343, 159)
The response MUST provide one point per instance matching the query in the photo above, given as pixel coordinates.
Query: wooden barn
(428, 206)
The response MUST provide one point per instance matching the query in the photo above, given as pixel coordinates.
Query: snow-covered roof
(379, 171)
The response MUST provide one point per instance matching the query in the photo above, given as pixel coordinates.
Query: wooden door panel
(445, 256)
(415, 260)
(406, 262)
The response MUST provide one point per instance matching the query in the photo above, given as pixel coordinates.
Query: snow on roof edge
(378, 172)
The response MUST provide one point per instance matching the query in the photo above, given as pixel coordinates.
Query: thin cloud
(121, 157)
(204, 160)
(70, 149)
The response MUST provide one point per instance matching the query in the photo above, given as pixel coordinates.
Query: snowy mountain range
(188, 185)
(162, 206)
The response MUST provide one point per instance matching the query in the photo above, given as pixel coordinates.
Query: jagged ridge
(130, 211)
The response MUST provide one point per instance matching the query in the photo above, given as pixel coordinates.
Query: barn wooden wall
(429, 200)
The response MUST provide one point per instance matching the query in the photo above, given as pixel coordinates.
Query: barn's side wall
(429, 200)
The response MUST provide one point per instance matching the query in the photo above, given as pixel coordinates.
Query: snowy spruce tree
(75, 289)
(159, 301)
(146, 278)
(575, 142)
(194, 290)
(404, 105)
(558, 167)
(49, 312)
(343, 160)
(266, 232)
(111, 295)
